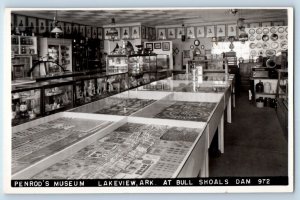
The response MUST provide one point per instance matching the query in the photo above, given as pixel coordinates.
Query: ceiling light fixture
(57, 30)
(113, 32)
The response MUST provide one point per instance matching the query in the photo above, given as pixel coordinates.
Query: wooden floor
(254, 143)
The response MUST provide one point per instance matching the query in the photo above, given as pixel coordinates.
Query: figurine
(23, 109)
(91, 89)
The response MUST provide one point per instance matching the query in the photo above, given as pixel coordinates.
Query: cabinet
(23, 45)
(116, 64)
(245, 74)
(59, 51)
(142, 69)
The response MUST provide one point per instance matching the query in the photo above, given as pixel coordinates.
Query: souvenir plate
(282, 37)
(286, 29)
(266, 46)
(284, 44)
(273, 30)
(253, 53)
(265, 38)
(266, 30)
(259, 31)
(274, 45)
(251, 31)
(252, 45)
(280, 30)
(259, 45)
(252, 38)
(270, 52)
(258, 37)
(274, 37)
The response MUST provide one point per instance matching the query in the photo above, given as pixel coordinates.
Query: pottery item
(259, 86)
(267, 87)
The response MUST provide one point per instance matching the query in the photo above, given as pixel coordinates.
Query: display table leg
(205, 168)
(229, 110)
(233, 97)
(221, 134)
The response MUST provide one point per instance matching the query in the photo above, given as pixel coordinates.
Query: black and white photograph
(129, 112)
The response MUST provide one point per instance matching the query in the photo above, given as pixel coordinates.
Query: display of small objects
(125, 107)
(131, 151)
(35, 143)
(188, 111)
(58, 97)
(25, 106)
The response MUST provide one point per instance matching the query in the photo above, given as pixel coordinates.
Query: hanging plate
(252, 38)
(266, 46)
(259, 31)
(258, 37)
(266, 30)
(280, 30)
(273, 30)
(284, 44)
(265, 38)
(252, 45)
(274, 45)
(251, 31)
(274, 37)
(259, 45)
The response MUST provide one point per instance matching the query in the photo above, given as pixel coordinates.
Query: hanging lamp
(56, 30)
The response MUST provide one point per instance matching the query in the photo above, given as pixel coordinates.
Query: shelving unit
(24, 45)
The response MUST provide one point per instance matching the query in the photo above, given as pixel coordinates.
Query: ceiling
(156, 17)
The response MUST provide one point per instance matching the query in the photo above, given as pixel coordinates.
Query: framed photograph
(21, 22)
(68, 28)
(119, 34)
(149, 33)
(94, 32)
(157, 45)
(153, 33)
(135, 32)
(171, 33)
(231, 30)
(166, 46)
(186, 53)
(149, 46)
(125, 33)
(190, 32)
(221, 31)
(41, 26)
(82, 30)
(254, 25)
(200, 32)
(210, 31)
(75, 28)
(32, 24)
(278, 23)
(100, 33)
(143, 32)
(106, 36)
(161, 34)
(265, 24)
(88, 30)
(50, 25)
(180, 32)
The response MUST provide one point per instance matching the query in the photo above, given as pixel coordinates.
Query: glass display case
(58, 96)
(116, 64)
(141, 69)
(26, 103)
(24, 45)
(163, 62)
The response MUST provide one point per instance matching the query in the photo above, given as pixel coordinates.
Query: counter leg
(205, 168)
(221, 134)
(233, 97)
(229, 110)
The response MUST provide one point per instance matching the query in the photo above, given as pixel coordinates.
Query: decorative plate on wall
(251, 31)
(266, 30)
(252, 38)
(286, 29)
(273, 30)
(258, 37)
(282, 37)
(259, 31)
(265, 38)
(284, 44)
(252, 45)
(270, 52)
(266, 46)
(259, 45)
(274, 45)
(253, 53)
(274, 37)
(280, 30)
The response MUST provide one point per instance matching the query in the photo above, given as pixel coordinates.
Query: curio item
(259, 87)
(267, 87)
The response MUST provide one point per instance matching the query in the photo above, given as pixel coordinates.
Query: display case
(26, 103)
(116, 64)
(24, 45)
(141, 69)
(21, 65)
(59, 51)
(58, 96)
(163, 62)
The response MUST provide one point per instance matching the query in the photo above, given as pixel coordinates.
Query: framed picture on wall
(210, 31)
(50, 25)
(94, 33)
(153, 33)
(143, 32)
(265, 24)
(41, 26)
(75, 29)
(100, 33)
(190, 32)
(165, 46)
(254, 25)
(125, 33)
(161, 32)
(186, 53)
(200, 32)
(149, 33)
(106, 36)
(21, 22)
(82, 30)
(221, 31)
(135, 32)
(119, 33)
(278, 23)
(157, 45)
(171, 33)
(180, 32)
(88, 30)
(32, 24)
(12, 23)
(68, 28)
(149, 46)
(231, 30)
